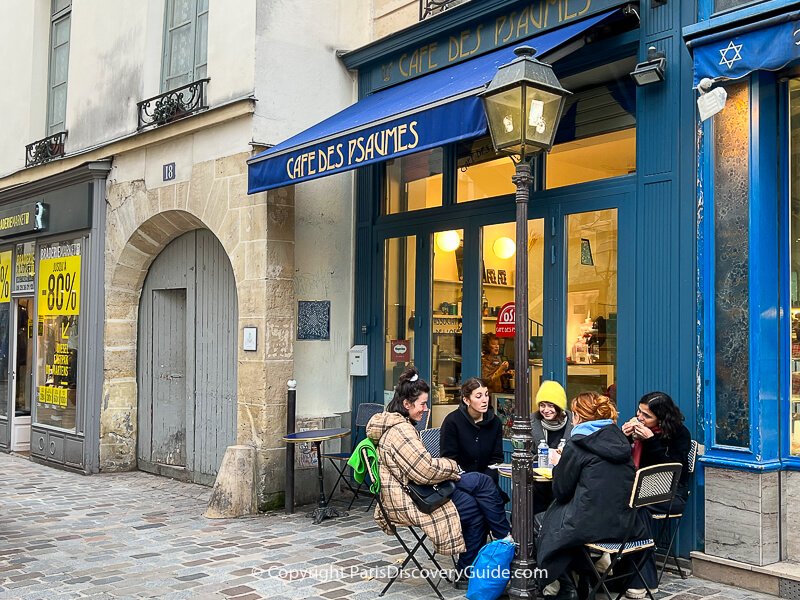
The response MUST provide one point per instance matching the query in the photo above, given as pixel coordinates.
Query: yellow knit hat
(552, 392)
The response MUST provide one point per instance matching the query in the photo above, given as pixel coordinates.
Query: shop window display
(58, 339)
(794, 262)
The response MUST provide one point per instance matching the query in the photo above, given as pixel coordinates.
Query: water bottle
(544, 454)
(561, 445)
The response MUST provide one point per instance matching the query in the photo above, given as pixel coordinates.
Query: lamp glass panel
(503, 110)
(542, 111)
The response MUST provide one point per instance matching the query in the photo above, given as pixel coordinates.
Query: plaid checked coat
(403, 458)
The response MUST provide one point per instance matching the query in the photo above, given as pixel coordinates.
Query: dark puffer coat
(592, 486)
(474, 446)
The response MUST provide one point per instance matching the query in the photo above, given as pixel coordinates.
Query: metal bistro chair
(670, 523)
(652, 485)
(420, 538)
(339, 459)
(430, 439)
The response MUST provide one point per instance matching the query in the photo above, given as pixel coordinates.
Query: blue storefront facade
(748, 310)
(613, 216)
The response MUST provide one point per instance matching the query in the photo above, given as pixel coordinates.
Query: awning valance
(432, 110)
(738, 53)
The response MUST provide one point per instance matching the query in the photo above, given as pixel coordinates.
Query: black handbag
(430, 497)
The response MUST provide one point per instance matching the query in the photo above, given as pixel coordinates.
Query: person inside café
(592, 484)
(457, 527)
(473, 435)
(658, 436)
(493, 367)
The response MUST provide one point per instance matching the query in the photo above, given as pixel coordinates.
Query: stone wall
(742, 515)
(257, 233)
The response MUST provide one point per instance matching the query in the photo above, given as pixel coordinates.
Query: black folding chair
(419, 543)
(670, 523)
(653, 485)
(430, 439)
(339, 459)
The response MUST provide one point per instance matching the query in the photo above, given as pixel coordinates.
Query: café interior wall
(299, 80)
(23, 35)
(324, 271)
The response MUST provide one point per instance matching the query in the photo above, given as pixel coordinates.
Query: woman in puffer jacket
(591, 489)
(457, 527)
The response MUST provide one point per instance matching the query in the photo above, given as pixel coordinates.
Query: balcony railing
(172, 105)
(45, 150)
(428, 8)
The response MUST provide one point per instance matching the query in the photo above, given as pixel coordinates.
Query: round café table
(317, 437)
(504, 470)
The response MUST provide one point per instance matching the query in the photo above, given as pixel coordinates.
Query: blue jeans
(480, 510)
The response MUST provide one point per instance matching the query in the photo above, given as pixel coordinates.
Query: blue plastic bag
(491, 571)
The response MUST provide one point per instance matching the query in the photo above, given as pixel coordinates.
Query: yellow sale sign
(5, 277)
(60, 286)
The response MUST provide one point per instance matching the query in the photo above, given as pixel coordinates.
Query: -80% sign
(60, 293)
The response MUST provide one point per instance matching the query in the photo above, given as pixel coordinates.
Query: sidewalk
(134, 535)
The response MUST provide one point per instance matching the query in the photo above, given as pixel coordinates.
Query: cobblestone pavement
(134, 535)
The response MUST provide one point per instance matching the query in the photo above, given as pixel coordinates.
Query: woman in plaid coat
(457, 527)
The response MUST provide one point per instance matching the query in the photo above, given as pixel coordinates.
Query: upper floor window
(59, 65)
(185, 43)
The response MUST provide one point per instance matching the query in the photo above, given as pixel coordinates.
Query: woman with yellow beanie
(552, 421)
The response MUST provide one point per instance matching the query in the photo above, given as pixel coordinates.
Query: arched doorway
(186, 364)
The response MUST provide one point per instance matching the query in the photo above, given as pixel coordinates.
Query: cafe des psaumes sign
(25, 218)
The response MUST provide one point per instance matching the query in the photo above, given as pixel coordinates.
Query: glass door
(21, 373)
(591, 301)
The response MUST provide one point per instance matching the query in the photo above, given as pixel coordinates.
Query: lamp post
(523, 105)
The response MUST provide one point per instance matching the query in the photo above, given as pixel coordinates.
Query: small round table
(317, 436)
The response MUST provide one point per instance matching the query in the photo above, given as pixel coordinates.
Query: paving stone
(112, 537)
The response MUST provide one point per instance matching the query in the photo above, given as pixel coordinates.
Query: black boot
(566, 590)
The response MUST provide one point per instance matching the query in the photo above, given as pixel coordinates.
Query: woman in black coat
(659, 436)
(473, 435)
(591, 488)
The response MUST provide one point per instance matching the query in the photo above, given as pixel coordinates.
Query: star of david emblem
(728, 60)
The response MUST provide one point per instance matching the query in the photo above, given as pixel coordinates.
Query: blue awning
(429, 111)
(736, 54)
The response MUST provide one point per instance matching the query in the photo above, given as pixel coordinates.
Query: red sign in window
(506, 325)
(401, 351)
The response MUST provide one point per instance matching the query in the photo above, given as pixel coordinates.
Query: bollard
(291, 406)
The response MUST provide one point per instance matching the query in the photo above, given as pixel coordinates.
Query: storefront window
(400, 276)
(596, 137)
(482, 172)
(591, 316)
(58, 343)
(731, 265)
(448, 292)
(5, 312)
(414, 182)
(794, 258)
(590, 159)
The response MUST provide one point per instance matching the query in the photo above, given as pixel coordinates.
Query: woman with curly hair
(591, 489)
(659, 436)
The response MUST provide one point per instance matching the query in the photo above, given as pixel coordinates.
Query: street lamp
(523, 105)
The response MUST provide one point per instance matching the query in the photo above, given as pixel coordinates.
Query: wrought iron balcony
(172, 105)
(45, 150)
(428, 8)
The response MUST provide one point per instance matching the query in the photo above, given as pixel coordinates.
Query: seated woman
(659, 436)
(552, 421)
(457, 527)
(493, 367)
(473, 435)
(591, 487)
